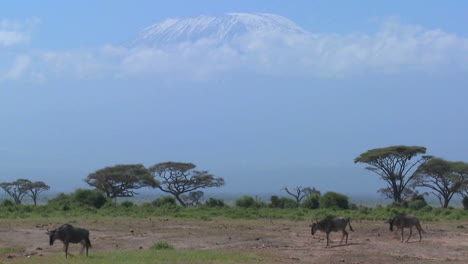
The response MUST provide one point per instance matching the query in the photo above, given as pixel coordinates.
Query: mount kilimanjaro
(220, 28)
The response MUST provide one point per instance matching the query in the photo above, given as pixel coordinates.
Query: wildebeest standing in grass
(69, 234)
(401, 221)
(332, 224)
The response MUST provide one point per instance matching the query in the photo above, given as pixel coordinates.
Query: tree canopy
(393, 164)
(16, 189)
(33, 189)
(178, 178)
(445, 178)
(300, 193)
(121, 180)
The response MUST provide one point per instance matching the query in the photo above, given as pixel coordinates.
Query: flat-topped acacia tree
(35, 188)
(121, 180)
(16, 189)
(178, 178)
(444, 178)
(396, 165)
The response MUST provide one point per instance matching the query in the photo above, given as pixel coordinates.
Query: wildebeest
(401, 221)
(69, 234)
(334, 224)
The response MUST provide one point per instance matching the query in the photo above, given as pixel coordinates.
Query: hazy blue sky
(376, 73)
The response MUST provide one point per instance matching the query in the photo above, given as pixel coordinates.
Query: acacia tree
(33, 189)
(121, 180)
(300, 193)
(16, 190)
(445, 178)
(393, 165)
(178, 178)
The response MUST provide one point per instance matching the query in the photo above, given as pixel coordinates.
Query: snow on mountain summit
(220, 28)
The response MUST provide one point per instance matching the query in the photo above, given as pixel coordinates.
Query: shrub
(94, 198)
(212, 202)
(275, 201)
(334, 200)
(127, 204)
(80, 197)
(426, 208)
(288, 203)
(311, 202)
(8, 203)
(164, 201)
(282, 202)
(161, 246)
(417, 204)
(247, 201)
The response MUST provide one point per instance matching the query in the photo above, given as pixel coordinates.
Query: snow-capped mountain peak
(220, 28)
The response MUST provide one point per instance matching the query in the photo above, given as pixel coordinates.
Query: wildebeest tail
(88, 243)
(349, 223)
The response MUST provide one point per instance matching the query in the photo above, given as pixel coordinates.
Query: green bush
(288, 203)
(426, 208)
(81, 197)
(212, 202)
(334, 200)
(127, 204)
(247, 202)
(8, 203)
(161, 246)
(282, 202)
(164, 201)
(94, 198)
(275, 202)
(417, 204)
(311, 202)
(60, 200)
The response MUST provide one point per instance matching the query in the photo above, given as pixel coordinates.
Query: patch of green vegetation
(149, 256)
(80, 211)
(6, 251)
(161, 246)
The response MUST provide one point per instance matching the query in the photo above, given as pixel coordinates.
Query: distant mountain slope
(218, 28)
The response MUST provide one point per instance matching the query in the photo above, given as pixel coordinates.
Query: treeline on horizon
(93, 204)
(403, 169)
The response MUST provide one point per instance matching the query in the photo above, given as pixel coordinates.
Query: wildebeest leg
(402, 235)
(328, 234)
(82, 247)
(410, 233)
(66, 250)
(346, 234)
(419, 231)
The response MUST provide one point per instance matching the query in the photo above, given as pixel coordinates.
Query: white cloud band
(394, 48)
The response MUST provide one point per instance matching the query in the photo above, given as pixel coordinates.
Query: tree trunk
(446, 202)
(180, 200)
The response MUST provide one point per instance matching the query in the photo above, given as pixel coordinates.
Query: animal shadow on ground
(344, 245)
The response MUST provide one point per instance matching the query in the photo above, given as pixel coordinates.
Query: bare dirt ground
(277, 241)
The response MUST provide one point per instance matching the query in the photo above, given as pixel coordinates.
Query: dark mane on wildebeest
(401, 221)
(332, 224)
(69, 234)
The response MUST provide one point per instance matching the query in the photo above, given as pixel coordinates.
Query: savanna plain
(220, 235)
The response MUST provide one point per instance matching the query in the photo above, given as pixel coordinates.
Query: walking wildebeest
(69, 234)
(334, 224)
(401, 221)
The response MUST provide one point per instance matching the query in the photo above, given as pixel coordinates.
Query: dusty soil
(277, 241)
